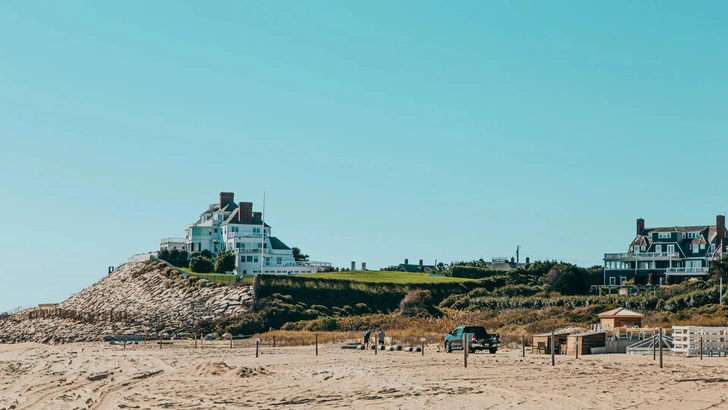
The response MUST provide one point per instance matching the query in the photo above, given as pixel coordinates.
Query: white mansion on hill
(227, 225)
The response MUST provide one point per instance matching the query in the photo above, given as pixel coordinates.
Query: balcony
(246, 235)
(254, 250)
(642, 255)
(687, 271)
(172, 240)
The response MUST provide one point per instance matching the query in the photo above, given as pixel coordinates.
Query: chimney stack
(363, 266)
(353, 265)
(421, 263)
(640, 226)
(513, 260)
(245, 212)
(720, 230)
(406, 261)
(258, 215)
(528, 260)
(226, 198)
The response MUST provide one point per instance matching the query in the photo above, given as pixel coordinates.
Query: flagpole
(262, 235)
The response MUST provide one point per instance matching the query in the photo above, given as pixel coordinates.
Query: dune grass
(384, 277)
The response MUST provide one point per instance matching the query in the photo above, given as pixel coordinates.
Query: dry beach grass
(103, 376)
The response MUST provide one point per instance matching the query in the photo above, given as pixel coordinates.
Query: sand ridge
(103, 376)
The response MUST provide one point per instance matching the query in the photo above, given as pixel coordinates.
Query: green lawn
(225, 279)
(384, 277)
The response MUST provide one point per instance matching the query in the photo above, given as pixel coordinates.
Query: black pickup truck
(478, 339)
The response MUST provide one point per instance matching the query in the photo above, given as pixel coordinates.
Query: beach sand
(104, 376)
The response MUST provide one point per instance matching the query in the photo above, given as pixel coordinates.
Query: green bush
(568, 279)
(472, 272)
(224, 262)
(201, 264)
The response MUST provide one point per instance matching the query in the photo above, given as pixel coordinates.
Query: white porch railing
(642, 255)
(687, 270)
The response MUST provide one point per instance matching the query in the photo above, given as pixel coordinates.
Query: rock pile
(137, 297)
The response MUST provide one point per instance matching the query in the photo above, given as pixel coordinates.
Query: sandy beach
(103, 376)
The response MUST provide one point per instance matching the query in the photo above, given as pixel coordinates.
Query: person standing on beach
(380, 336)
(366, 338)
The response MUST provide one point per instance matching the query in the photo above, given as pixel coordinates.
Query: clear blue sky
(380, 130)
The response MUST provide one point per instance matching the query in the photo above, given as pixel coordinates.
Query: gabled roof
(409, 267)
(700, 240)
(640, 241)
(233, 219)
(276, 243)
(679, 229)
(620, 312)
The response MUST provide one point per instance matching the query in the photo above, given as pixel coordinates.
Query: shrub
(416, 303)
(201, 264)
(224, 262)
(362, 308)
(472, 272)
(568, 279)
(164, 255)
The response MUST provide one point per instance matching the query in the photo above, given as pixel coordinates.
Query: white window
(702, 246)
(693, 264)
(643, 248)
(693, 235)
(712, 247)
(612, 280)
(696, 249)
(622, 279)
(683, 235)
(671, 248)
(664, 235)
(635, 249)
(658, 248)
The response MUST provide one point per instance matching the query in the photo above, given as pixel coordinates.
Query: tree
(165, 255)
(568, 279)
(298, 255)
(201, 264)
(206, 253)
(720, 268)
(224, 262)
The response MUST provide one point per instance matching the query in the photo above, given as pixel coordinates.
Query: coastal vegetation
(534, 298)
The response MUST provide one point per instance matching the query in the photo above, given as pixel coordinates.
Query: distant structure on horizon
(411, 268)
(230, 226)
(678, 251)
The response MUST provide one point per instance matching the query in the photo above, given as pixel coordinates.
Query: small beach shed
(587, 341)
(620, 317)
(542, 342)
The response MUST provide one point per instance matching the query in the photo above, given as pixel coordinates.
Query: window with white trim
(702, 246)
(696, 249)
(658, 248)
(664, 235)
(612, 280)
(693, 235)
(622, 279)
(671, 248)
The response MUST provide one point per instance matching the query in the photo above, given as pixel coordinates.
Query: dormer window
(664, 235)
(693, 235)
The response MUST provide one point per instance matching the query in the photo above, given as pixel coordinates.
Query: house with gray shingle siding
(678, 251)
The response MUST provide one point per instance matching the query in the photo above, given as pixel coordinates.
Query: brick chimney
(245, 212)
(528, 260)
(406, 261)
(421, 263)
(258, 215)
(226, 198)
(720, 230)
(640, 226)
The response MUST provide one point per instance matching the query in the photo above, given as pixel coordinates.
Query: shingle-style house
(230, 226)
(680, 251)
